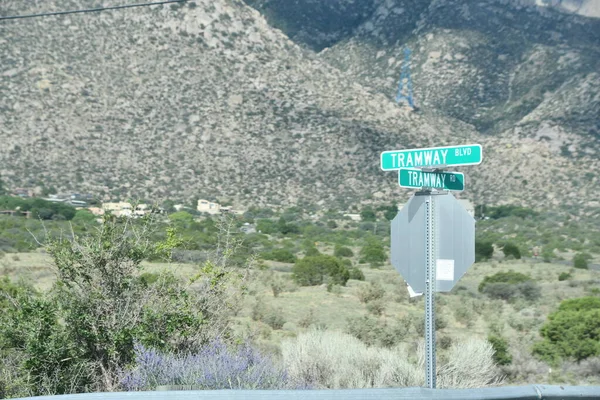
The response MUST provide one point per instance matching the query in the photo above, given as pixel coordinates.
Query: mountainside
(206, 99)
(499, 67)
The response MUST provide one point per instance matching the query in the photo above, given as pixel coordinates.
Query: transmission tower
(405, 89)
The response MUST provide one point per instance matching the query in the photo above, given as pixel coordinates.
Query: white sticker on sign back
(444, 270)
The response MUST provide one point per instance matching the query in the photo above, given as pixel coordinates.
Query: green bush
(483, 250)
(529, 291)
(40, 209)
(84, 216)
(81, 334)
(501, 353)
(356, 274)
(368, 215)
(373, 252)
(372, 331)
(547, 254)
(342, 251)
(581, 260)
(510, 277)
(503, 291)
(281, 255)
(564, 276)
(274, 319)
(511, 250)
(376, 307)
(510, 285)
(287, 228)
(311, 271)
(311, 251)
(266, 226)
(572, 332)
(504, 211)
(372, 291)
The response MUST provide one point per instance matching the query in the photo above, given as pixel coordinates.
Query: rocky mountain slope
(501, 68)
(207, 99)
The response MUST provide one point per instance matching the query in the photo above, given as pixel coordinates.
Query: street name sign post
(436, 156)
(417, 178)
(433, 236)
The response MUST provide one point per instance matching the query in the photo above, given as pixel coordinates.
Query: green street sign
(416, 178)
(415, 158)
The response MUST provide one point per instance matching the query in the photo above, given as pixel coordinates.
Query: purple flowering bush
(215, 366)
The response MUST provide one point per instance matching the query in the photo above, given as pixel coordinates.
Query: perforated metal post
(430, 367)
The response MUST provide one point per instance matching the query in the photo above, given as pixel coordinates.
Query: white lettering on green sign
(418, 158)
(436, 156)
(416, 178)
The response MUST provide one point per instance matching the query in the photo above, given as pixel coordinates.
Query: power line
(90, 10)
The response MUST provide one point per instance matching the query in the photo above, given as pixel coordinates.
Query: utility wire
(90, 10)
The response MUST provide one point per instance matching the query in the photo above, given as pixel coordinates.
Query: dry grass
(466, 312)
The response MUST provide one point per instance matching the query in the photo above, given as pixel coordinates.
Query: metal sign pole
(430, 240)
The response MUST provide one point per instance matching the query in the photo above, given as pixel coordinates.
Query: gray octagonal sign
(454, 241)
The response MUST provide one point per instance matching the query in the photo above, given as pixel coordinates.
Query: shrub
(501, 290)
(334, 360)
(277, 286)
(445, 342)
(581, 260)
(571, 331)
(311, 271)
(510, 249)
(464, 315)
(14, 381)
(266, 226)
(82, 333)
(509, 277)
(287, 228)
(356, 274)
(470, 365)
(368, 215)
(564, 276)
(372, 291)
(483, 251)
(500, 346)
(373, 252)
(84, 216)
(372, 331)
(216, 366)
(274, 319)
(308, 319)
(376, 307)
(547, 254)
(529, 291)
(281, 255)
(311, 252)
(334, 289)
(342, 251)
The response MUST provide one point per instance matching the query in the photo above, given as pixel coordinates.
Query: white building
(353, 217)
(209, 207)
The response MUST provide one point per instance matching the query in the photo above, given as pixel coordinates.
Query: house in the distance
(121, 209)
(141, 210)
(353, 217)
(209, 207)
